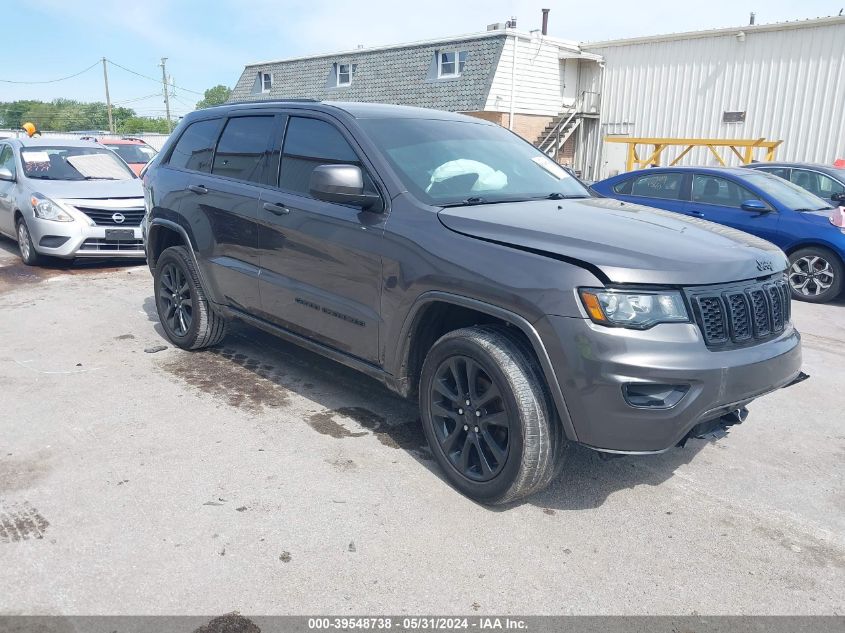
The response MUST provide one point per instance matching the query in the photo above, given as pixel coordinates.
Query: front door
(320, 261)
(7, 192)
(819, 184)
(720, 200)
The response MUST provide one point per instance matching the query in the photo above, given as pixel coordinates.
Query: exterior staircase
(557, 132)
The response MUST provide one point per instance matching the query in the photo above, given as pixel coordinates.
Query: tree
(64, 115)
(217, 95)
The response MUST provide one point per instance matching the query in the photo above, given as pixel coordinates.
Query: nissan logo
(118, 218)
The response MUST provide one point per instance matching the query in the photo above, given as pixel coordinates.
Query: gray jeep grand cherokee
(449, 259)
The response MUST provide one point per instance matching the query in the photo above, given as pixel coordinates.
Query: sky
(209, 42)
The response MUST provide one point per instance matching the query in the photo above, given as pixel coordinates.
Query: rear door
(221, 200)
(320, 261)
(662, 189)
(720, 200)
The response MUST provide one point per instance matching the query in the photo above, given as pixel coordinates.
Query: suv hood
(626, 243)
(87, 189)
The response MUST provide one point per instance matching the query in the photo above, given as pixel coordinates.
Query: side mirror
(755, 206)
(6, 174)
(343, 184)
(838, 197)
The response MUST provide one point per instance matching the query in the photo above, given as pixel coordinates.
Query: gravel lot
(258, 477)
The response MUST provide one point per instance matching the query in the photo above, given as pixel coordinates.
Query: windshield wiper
(819, 209)
(476, 200)
(566, 196)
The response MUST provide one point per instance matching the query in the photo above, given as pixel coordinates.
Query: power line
(158, 81)
(50, 81)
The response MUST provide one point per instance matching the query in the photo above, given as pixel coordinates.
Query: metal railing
(587, 98)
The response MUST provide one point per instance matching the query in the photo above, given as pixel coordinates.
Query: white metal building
(783, 81)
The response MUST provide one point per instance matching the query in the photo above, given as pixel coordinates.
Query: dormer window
(344, 74)
(266, 82)
(451, 63)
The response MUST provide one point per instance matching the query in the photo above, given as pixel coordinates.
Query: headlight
(638, 309)
(46, 209)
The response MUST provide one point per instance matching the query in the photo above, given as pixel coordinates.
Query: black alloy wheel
(469, 418)
(176, 303)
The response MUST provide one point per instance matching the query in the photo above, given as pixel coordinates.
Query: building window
(344, 74)
(451, 63)
(266, 82)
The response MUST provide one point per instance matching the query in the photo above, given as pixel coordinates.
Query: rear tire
(183, 309)
(506, 443)
(815, 274)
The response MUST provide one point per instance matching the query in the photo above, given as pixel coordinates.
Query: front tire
(487, 415)
(815, 275)
(26, 248)
(183, 309)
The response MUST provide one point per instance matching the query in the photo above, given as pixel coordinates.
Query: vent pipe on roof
(545, 28)
(751, 19)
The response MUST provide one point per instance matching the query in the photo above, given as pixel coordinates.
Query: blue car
(755, 202)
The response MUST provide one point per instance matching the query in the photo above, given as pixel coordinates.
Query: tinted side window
(713, 190)
(666, 186)
(310, 143)
(814, 182)
(195, 147)
(780, 172)
(243, 148)
(623, 187)
(7, 158)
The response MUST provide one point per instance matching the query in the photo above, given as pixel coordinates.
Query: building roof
(748, 28)
(404, 74)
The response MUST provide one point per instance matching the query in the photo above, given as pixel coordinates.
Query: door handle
(697, 214)
(278, 209)
(198, 188)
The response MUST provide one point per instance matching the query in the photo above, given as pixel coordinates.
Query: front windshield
(786, 193)
(72, 163)
(455, 162)
(134, 153)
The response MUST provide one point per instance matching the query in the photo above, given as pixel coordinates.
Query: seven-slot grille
(105, 217)
(742, 314)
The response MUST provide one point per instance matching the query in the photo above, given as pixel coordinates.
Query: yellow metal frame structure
(659, 144)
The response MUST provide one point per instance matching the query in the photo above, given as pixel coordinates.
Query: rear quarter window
(195, 148)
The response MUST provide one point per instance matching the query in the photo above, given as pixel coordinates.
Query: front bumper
(593, 363)
(69, 240)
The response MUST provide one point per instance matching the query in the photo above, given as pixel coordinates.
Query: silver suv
(67, 199)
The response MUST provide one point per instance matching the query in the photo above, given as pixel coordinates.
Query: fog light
(653, 396)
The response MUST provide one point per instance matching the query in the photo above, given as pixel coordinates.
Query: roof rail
(289, 100)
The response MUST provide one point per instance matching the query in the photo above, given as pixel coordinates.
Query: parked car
(823, 181)
(68, 199)
(134, 151)
(752, 201)
(455, 263)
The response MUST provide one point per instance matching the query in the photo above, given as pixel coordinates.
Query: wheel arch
(792, 248)
(162, 234)
(435, 313)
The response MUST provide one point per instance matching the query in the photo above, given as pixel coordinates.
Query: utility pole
(108, 98)
(166, 96)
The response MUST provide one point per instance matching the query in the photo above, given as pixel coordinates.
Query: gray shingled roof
(404, 75)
